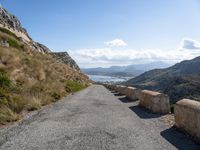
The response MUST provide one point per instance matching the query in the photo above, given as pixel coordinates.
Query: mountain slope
(179, 81)
(66, 59)
(125, 71)
(30, 76)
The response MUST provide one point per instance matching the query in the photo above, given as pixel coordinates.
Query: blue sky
(113, 32)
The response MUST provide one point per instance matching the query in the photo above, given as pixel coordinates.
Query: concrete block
(133, 93)
(155, 101)
(187, 116)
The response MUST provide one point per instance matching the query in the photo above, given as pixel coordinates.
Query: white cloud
(104, 57)
(190, 44)
(116, 43)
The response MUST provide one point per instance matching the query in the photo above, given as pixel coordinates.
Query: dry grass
(33, 79)
(7, 115)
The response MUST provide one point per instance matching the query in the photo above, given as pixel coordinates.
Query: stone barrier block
(117, 88)
(122, 89)
(187, 117)
(133, 93)
(154, 101)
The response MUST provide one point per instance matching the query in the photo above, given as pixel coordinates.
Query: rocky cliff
(66, 59)
(13, 25)
(11, 22)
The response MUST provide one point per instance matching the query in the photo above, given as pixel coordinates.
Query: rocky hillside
(11, 22)
(30, 77)
(179, 81)
(66, 59)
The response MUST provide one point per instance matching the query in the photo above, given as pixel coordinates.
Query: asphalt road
(93, 119)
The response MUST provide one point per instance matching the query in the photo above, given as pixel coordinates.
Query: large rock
(187, 116)
(65, 58)
(155, 101)
(11, 23)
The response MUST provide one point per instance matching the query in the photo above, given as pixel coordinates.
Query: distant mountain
(179, 81)
(125, 71)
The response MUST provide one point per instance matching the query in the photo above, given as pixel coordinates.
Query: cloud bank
(108, 56)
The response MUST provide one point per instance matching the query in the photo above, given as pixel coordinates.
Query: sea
(104, 79)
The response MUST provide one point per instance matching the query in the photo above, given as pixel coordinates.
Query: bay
(103, 79)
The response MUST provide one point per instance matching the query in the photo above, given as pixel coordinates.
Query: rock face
(40, 47)
(187, 117)
(12, 24)
(65, 58)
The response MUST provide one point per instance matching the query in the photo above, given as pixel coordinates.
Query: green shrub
(14, 43)
(4, 80)
(73, 86)
(55, 96)
(34, 104)
(17, 104)
(7, 115)
(4, 96)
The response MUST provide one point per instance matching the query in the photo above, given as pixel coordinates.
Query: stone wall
(154, 101)
(186, 111)
(187, 116)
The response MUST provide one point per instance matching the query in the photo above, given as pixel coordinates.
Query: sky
(102, 33)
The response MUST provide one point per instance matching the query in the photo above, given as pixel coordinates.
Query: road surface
(93, 119)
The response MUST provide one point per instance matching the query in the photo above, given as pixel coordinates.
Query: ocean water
(99, 78)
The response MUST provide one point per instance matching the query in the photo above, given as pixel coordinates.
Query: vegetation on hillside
(30, 79)
(179, 81)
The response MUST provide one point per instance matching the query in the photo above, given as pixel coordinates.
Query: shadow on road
(143, 113)
(179, 140)
(124, 99)
(118, 94)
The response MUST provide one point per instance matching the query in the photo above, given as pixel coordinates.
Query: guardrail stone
(155, 101)
(187, 117)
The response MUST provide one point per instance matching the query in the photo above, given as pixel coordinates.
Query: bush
(55, 96)
(34, 104)
(73, 86)
(17, 104)
(14, 43)
(4, 80)
(7, 115)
